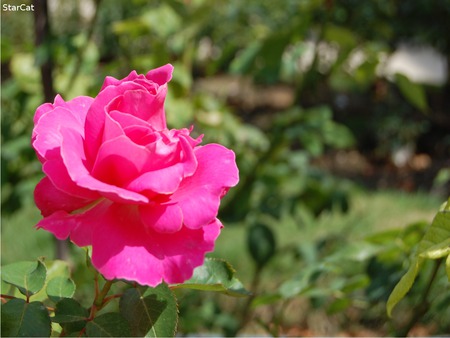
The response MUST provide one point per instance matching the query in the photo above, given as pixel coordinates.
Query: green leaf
(56, 268)
(436, 242)
(60, 287)
(403, 286)
(108, 325)
(22, 319)
(261, 243)
(28, 277)
(434, 245)
(71, 315)
(151, 312)
(447, 267)
(215, 275)
(413, 92)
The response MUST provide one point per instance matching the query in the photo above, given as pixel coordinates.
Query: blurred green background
(338, 111)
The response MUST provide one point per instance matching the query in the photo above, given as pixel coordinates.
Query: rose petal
(79, 226)
(200, 206)
(60, 224)
(127, 120)
(162, 218)
(165, 180)
(78, 106)
(88, 221)
(135, 252)
(72, 152)
(112, 81)
(58, 175)
(95, 117)
(112, 129)
(49, 199)
(113, 88)
(119, 161)
(161, 75)
(188, 158)
(142, 135)
(47, 139)
(41, 110)
(49, 118)
(144, 105)
(199, 195)
(184, 133)
(162, 181)
(166, 151)
(137, 130)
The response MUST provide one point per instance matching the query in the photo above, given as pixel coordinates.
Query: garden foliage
(42, 303)
(304, 251)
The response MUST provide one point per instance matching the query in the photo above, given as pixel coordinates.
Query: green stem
(99, 300)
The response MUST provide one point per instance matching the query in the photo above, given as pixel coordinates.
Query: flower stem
(99, 300)
(101, 296)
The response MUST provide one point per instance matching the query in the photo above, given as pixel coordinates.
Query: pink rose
(145, 197)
